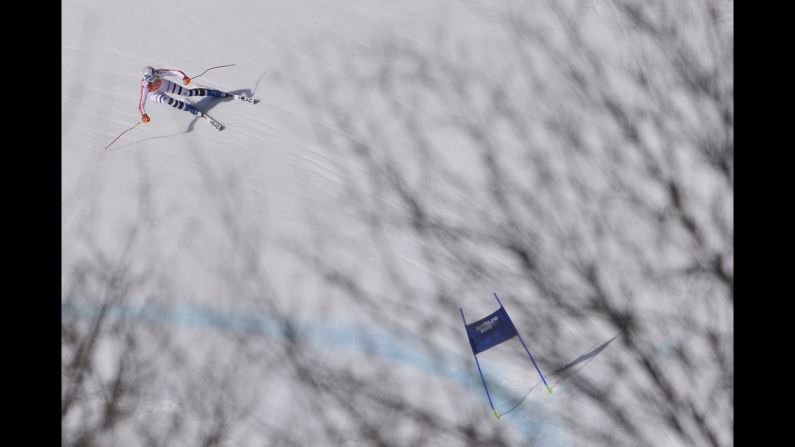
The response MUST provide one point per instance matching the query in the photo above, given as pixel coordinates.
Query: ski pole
(128, 129)
(479, 371)
(525, 348)
(211, 68)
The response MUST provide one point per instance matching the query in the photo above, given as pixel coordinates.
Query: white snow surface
(267, 153)
(266, 166)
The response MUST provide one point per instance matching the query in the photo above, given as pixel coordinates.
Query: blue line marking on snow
(534, 423)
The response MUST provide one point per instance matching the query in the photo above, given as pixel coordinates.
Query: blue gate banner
(490, 331)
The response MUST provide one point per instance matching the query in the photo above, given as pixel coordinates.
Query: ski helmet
(149, 74)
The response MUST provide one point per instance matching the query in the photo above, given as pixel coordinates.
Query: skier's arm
(175, 72)
(142, 102)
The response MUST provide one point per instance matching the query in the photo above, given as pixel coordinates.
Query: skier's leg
(205, 92)
(167, 86)
(177, 104)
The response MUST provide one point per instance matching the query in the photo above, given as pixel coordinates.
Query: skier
(153, 86)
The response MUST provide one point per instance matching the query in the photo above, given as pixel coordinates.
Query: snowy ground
(267, 151)
(267, 174)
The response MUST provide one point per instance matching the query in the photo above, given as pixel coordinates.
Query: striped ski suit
(157, 91)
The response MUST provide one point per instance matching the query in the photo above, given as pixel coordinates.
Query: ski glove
(145, 118)
(186, 80)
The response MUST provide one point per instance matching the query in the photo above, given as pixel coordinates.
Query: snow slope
(269, 148)
(267, 154)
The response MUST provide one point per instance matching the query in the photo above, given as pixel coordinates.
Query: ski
(218, 126)
(212, 121)
(245, 98)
